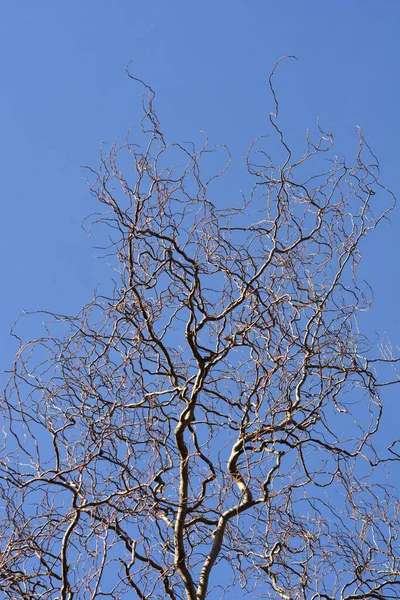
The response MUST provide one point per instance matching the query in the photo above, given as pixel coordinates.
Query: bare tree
(207, 429)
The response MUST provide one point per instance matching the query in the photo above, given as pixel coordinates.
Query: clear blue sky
(64, 91)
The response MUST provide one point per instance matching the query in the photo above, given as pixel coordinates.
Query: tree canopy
(210, 426)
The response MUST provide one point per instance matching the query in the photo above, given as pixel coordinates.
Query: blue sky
(64, 91)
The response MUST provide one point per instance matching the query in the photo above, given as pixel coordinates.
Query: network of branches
(206, 429)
